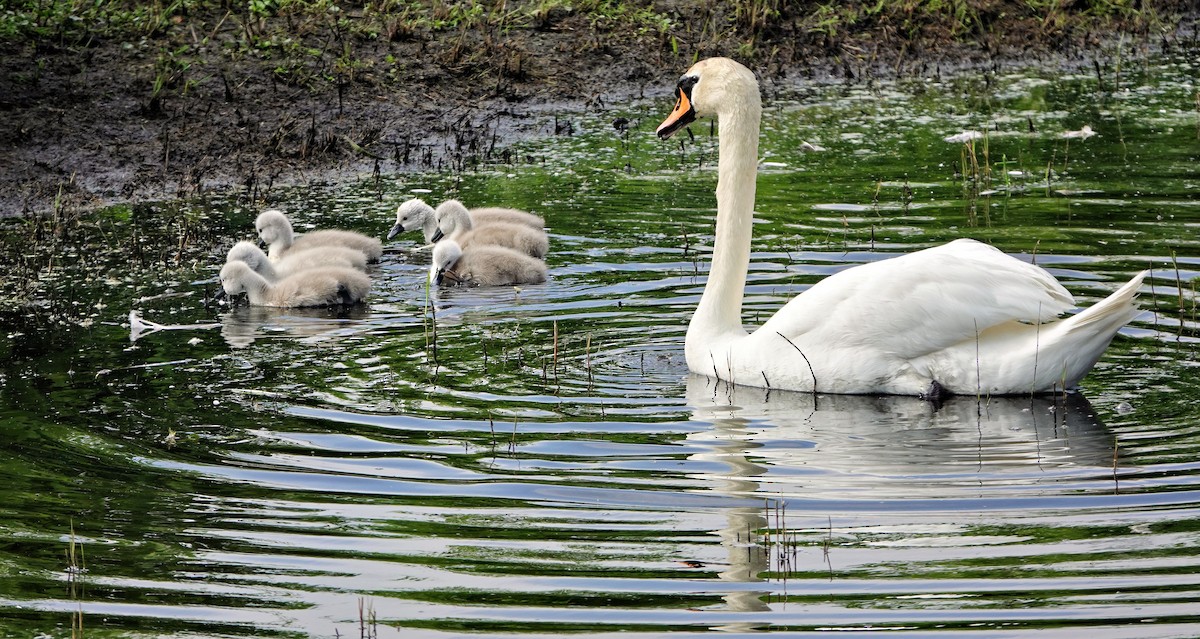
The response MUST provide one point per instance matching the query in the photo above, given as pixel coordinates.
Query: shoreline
(181, 113)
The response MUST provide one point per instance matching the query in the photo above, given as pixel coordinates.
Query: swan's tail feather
(1113, 311)
(1084, 336)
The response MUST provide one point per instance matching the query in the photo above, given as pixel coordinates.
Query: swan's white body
(456, 223)
(323, 286)
(275, 229)
(295, 261)
(483, 265)
(962, 317)
(416, 214)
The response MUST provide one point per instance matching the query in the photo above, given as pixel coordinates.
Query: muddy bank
(213, 99)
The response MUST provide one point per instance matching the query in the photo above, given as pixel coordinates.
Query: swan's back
(489, 265)
(370, 247)
(321, 286)
(461, 226)
(495, 214)
(518, 237)
(917, 303)
(300, 259)
(484, 265)
(296, 260)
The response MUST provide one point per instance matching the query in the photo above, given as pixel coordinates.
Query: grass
(756, 28)
(309, 79)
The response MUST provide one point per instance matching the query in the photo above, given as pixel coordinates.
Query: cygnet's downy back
(276, 230)
(455, 222)
(493, 214)
(321, 286)
(483, 265)
(295, 261)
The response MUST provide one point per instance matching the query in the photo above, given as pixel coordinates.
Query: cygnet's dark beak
(397, 229)
(437, 276)
(437, 235)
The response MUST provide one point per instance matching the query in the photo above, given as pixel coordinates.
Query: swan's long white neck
(720, 309)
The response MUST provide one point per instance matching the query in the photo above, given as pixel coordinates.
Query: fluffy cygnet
(322, 286)
(275, 229)
(416, 214)
(455, 222)
(295, 261)
(483, 265)
(412, 215)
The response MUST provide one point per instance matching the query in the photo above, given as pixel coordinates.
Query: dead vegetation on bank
(127, 101)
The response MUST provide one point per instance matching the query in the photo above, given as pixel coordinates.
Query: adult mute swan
(958, 318)
(456, 222)
(483, 265)
(274, 228)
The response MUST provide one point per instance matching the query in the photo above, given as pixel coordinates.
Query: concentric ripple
(537, 461)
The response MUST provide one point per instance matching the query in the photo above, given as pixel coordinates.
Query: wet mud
(189, 110)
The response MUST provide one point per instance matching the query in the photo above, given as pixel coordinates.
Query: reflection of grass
(368, 624)
(75, 570)
(67, 266)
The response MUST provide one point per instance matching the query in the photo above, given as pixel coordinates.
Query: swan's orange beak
(683, 114)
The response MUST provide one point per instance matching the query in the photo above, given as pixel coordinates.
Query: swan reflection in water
(822, 455)
(243, 325)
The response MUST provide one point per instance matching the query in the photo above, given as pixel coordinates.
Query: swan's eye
(687, 82)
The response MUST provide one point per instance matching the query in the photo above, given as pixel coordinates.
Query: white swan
(274, 228)
(455, 221)
(960, 318)
(416, 214)
(483, 265)
(324, 286)
(295, 261)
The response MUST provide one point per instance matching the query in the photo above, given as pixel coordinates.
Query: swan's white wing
(922, 302)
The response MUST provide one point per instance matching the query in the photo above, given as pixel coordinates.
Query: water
(539, 462)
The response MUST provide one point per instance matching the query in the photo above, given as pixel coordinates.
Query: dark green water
(539, 462)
